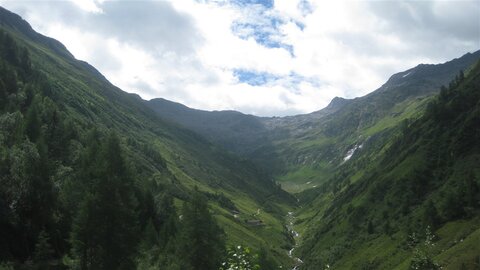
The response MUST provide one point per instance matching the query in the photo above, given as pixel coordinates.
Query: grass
(409, 109)
(297, 180)
(271, 235)
(459, 242)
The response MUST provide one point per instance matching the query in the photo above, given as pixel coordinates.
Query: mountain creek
(295, 235)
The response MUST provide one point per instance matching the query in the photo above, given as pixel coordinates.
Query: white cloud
(188, 50)
(88, 5)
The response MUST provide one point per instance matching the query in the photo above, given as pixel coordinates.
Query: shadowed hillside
(90, 173)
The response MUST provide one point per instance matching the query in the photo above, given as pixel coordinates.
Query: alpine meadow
(279, 159)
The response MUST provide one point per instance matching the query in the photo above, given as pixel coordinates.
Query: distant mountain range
(313, 144)
(390, 180)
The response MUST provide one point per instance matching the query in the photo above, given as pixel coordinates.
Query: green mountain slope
(56, 108)
(409, 200)
(235, 131)
(382, 172)
(314, 150)
(302, 151)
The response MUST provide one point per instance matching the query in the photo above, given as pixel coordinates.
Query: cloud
(88, 5)
(426, 27)
(150, 25)
(263, 57)
(155, 26)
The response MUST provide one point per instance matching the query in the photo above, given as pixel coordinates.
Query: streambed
(290, 221)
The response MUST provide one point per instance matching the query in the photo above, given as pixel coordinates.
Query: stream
(290, 221)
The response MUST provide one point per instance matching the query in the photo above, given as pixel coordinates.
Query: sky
(261, 57)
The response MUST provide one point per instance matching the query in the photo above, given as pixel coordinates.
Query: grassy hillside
(302, 151)
(314, 149)
(409, 199)
(46, 87)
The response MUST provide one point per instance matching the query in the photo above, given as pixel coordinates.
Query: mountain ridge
(414, 183)
(164, 159)
(290, 147)
(14, 21)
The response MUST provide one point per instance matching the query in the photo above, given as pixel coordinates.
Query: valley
(350, 170)
(93, 177)
(302, 151)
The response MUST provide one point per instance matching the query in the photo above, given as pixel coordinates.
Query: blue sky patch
(265, 33)
(258, 78)
(305, 7)
(254, 78)
(263, 24)
(265, 3)
(300, 25)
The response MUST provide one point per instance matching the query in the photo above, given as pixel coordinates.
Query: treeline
(69, 198)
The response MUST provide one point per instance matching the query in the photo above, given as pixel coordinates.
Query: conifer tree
(430, 215)
(104, 232)
(265, 262)
(3, 96)
(370, 228)
(201, 243)
(167, 220)
(43, 251)
(32, 123)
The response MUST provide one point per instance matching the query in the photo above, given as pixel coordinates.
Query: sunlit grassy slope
(423, 175)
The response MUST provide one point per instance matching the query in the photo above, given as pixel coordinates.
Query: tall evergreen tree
(201, 243)
(167, 216)
(430, 215)
(32, 123)
(265, 262)
(104, 232)
(3, 95)
(43, 251)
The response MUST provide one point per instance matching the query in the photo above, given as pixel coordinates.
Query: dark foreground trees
(201, 241)
(104, 231)
(68, 197)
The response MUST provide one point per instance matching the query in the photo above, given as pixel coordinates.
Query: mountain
(235, 131)
(409, 200)
(314, 149)
(301, 151)
(386, 181)
(95, 178)
(67, 134)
